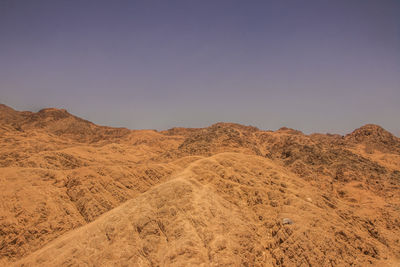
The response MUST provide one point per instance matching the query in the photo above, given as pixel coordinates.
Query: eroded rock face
(74, 193)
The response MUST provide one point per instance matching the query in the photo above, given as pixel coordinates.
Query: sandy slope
(78, 194)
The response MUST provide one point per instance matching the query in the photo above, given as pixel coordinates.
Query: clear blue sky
(317, 66)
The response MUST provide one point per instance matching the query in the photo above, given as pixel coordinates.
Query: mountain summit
(372, 134)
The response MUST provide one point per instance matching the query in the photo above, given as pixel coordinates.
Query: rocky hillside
(75, 193)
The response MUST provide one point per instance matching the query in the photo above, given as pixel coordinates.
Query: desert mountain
(78, 194)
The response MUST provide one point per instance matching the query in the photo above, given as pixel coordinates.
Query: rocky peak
(373, 134)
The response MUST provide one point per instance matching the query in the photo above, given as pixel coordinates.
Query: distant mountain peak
(50, 110)
(369, 130)
(373, 134)
(54, 113)
(5, 108)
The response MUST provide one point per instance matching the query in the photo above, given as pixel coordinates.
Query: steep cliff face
(75, 193)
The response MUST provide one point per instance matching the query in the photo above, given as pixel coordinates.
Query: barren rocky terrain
(77, 194)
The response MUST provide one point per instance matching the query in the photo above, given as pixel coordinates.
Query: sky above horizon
(316, 66)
